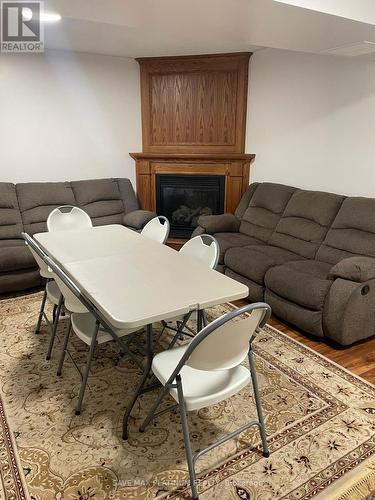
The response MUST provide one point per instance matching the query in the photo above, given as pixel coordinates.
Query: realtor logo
(21, 29)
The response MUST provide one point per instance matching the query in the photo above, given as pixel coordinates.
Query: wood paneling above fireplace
(194, 103)
(193, 123)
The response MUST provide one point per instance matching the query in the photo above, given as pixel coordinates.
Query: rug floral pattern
(320, 421)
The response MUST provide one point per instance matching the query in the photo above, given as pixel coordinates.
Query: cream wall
(67, 116)
(311, 121)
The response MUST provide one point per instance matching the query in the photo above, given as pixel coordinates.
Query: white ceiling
(358, 10)
(138, 28)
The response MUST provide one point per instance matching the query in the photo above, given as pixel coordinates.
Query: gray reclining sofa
(309, 254)
(25, 207)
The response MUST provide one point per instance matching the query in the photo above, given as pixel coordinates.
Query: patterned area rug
(320, 420)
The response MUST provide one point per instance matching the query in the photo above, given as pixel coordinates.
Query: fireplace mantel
(234, 166)
(192, 156)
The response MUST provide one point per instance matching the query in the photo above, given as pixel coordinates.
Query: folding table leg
(199, 320)
(204, 319)
(151, 414)
(138, 391)
(180, 330)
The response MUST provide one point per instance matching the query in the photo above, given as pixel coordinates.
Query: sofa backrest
(265, 208)
(101, 199)
(105, 200)
(305, 222)
(352, 232)
(37, 200)
(10, 217)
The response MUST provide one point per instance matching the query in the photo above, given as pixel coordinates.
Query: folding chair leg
(262, 428)
(137, 392)
(87, 369)
(53, 334)
(65, 346)
(185, 430)
(151, 414)
(42, 305)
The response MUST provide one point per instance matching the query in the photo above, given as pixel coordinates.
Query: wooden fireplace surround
(234, 167)
(194, 122)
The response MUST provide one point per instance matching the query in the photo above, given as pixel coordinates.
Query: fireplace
(183, 198)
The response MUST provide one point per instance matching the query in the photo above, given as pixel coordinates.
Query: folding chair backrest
(204, 248)
(157, 229)
(226, 345)
(67, 218)
(44, 271)
(71, 300)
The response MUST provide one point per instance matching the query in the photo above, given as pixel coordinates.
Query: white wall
(311, 121)
(66, 116)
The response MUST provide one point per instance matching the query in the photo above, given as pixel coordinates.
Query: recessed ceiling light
(47, 17)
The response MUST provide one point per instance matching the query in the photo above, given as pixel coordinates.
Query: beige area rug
(320, 420)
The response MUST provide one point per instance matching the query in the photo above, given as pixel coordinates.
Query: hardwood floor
(359, 358)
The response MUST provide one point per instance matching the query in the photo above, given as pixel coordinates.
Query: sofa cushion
(352, 232)
(304, 282)
(38, 199)
(266, 206)
(19, 280)
(101, 199)
(138, 218)
(256, 292)
(306, 319)
(230, 240)
(254, 261)
(10, 217)
(305, 222)
(16, 257)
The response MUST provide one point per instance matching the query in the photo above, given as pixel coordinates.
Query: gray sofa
(25, 207)
(309, 254)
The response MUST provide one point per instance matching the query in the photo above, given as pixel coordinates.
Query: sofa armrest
(225, 223)
(358, 269)
(138, 218)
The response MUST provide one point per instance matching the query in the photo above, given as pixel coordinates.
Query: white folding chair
(209, 370)
(60, 219)
(157, 229)
(85, 321)
(68, 217)
(52, 293)
(204, 248)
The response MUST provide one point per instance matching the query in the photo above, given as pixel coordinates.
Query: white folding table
(134, 281)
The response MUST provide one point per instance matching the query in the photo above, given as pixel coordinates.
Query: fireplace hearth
(183, 198)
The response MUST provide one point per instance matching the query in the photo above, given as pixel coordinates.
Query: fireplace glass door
(183, 198)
